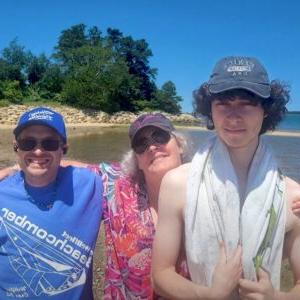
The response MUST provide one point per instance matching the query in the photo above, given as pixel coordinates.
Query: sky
(186, 37)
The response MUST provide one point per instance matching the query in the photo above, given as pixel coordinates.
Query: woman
(130, 213)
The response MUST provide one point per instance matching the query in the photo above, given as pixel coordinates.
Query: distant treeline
(293, 112)
(87, 70)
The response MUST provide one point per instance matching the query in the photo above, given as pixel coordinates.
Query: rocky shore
(9, 116)
(86, 120)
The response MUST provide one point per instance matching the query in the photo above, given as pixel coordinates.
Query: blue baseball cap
(42, 116)
(240, 72)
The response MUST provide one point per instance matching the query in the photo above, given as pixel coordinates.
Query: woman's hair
(274, 107)
(129, 163)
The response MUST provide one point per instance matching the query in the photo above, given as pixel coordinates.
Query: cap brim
(164, 128)
(18, 129)
(262, 90)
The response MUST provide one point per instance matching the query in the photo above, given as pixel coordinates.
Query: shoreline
(86, 128)
(81, 122)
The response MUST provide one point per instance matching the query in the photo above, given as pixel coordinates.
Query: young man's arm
(168, 243)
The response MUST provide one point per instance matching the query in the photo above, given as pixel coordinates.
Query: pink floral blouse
(129, 233)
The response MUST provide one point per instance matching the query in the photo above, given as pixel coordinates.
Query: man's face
(39, 165)
(238, 122)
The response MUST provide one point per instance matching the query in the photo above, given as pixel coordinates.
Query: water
(109, 144)
(290, 122)
(286, 149)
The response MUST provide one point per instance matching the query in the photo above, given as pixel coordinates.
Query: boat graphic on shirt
(43, 269)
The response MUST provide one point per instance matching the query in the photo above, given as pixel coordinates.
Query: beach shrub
(4, 103)
(10, 91)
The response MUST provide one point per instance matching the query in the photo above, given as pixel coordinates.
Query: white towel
(213, 213)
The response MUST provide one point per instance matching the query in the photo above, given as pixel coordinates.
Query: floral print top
(129, 234)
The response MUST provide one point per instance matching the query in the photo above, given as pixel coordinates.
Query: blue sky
(186, 37)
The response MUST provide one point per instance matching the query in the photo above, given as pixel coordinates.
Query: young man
(232, 194)
(49, 216)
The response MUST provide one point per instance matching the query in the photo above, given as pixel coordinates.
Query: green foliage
(36, 68)
(166, 99)
(94, 36)
(11, 72)
(10, 91)
(136, 54)
(70, 39)
(97, 79)
(87, 70)
(15, 54)
(35, 94)
(4, 103)
(14, 61)
(52, 81)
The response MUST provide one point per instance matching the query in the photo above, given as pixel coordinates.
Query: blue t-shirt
(48, 235)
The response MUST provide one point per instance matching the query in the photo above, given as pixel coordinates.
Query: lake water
(107, 144)
(290, 122)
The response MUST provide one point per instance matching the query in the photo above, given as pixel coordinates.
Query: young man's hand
(260, 290)
(227, 273)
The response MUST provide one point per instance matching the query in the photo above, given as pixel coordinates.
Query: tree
(136, 54)
(94, 36)
(10, 91)
(166, 99)
(52, 81)
(10, 72)
(15, 54)
(36, 68)
(98, 79)
(14, 61)
(70, 39)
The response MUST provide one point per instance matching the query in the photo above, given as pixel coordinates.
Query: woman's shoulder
(112, 170)
(178, 174)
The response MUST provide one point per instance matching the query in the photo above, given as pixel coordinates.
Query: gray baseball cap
(240, 72)
(150, 119)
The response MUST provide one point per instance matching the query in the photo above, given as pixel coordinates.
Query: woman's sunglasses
(158, 136)
(48, 144)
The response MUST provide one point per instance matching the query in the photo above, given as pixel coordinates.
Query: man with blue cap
(49, 216)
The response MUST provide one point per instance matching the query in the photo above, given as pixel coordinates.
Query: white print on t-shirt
(46, 264)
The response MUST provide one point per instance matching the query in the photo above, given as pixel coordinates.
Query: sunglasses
(47, 144)
(160, 137)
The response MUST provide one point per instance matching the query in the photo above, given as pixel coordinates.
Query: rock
(9, 115)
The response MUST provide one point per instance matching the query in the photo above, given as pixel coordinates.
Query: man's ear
(180, 149)
(65, 149)
(15, 146)
(180, 145)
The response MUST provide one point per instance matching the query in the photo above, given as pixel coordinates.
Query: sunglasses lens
(30, 144)
(50, 145)
(140, 148)
(158, 136)
(27, 144)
